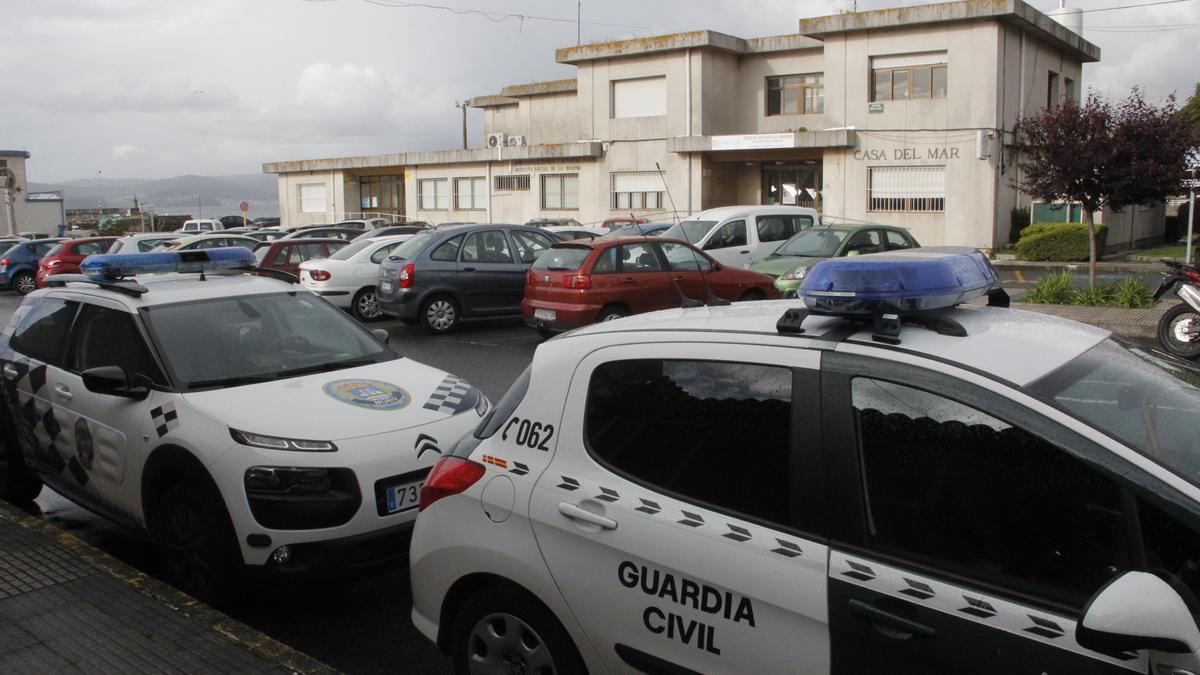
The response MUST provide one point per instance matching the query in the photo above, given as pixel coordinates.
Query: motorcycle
(1179, 328)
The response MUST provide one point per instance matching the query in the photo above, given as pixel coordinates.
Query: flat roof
(14, 153)
(582, 150)
(509, 95)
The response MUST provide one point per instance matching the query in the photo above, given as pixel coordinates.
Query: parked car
(622, 222)
(207, 241)
(8, 242)
(266, 222)
(142, 241)
(201, 225)
(568, 232)
(348, 277)
(581, 282)
(743, 235)
(264, 234)
(789, 263)
(440, 277)
(549, 222)
(18, 266)
(234, 221)
(645, 230)
(35, 235)
(285, 255)
(65, 258)
(343, 233)
(365, 223)
(390, 230)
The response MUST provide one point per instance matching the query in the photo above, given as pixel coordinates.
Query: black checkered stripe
(990, 611)
(449, 396)
(706, 523)
(37, 422)
(164, 418)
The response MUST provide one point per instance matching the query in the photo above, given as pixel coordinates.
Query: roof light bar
(897, 282)
(108, 267)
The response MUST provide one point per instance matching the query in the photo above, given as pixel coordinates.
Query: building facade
(40, 212)
(900, 116)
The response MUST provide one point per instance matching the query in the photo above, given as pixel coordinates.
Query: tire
(611, 313)
(24, 283)
(440, 314)
(17, 483)
(191, 538)
(365, 307)
(478, 643)
(1172, 325)
(752, 295)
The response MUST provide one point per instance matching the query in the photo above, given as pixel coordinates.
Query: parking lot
(357, 626)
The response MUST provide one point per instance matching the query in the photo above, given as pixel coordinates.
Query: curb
(229, 628)
(1101, 266)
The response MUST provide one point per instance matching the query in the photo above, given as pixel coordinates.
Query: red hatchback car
(580, 282)
(65, 258)
(286, 255)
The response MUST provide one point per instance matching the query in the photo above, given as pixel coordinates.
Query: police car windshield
(1145, 401)
(227, 342)
(813, 243)
(689, 230)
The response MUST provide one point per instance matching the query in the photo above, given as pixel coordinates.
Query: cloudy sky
(157, 88)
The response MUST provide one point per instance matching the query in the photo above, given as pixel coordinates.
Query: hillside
(181, 194)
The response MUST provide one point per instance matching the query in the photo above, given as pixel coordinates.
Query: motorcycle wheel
(1179, 331)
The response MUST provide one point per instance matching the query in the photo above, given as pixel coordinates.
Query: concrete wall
(546, 118)
(750, 103)
(335, 194)
(31, 216)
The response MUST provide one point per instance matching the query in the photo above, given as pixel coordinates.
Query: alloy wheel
(368, 306)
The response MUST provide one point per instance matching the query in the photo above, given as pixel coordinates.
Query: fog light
(282, 555)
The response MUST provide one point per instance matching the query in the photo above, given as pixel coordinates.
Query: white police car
(773, 488)
(240, 419)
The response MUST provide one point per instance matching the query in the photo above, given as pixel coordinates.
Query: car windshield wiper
(230, 381)
(558, 269)
(325, 367)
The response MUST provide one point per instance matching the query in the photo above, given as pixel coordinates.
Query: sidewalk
(68, 607)
(1139, 324)
(1102, 266)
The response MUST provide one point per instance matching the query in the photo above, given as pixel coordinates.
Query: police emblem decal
(368, 394)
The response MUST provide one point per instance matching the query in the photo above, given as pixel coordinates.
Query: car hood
(781, 265)
(342, 404)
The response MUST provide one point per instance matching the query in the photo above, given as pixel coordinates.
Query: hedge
(1058, 242)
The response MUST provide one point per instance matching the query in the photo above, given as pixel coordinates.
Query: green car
(789, 263)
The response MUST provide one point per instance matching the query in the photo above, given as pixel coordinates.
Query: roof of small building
(14, 153)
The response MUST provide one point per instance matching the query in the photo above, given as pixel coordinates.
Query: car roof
(1014, 345)
(723, 212)
(165, 289)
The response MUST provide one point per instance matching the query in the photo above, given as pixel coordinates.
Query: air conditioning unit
(516, 140)
(497, 140)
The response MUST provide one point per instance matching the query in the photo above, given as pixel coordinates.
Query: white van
(200, 226)
(740, 236)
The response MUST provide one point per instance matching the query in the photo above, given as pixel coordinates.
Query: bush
(1055, 289)
(1058, 242)
(1052, 289)
(1020, 221)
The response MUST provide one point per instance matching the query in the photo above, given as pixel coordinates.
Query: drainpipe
(688, 56)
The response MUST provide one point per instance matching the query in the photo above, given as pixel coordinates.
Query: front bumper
(787, 288)
(356, 555)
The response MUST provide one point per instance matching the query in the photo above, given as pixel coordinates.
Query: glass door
(792, 186)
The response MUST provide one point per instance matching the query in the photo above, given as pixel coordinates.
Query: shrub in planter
(1058, 242)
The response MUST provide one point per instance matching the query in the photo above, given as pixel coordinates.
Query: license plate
(385, 287)
(403, 497)
(544, 314)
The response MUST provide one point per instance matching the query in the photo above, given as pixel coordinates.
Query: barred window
(637, 190)
(560, 192)
(512, 182)
(433, 194)
(907, 188)
(470, 193)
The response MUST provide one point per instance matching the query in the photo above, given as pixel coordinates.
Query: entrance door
(792, 186)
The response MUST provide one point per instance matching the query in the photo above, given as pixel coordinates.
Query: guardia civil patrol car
(869, 479)
(237, 418)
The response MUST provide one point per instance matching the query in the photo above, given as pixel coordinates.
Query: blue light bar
(897, 282)
(108, 267)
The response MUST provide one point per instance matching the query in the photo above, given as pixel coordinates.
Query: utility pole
(578, 22)
(464, 105)
(1187, 256)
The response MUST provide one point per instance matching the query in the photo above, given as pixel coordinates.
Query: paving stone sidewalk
(1131, 323)
(66, 607)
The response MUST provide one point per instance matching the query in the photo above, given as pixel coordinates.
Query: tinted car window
(716, 433)
(489, 246)
(639, 258)
(895, 240)
(562, 258)
(606, 262)
(530, 245)
(732, 233)
(385, 251)
(864, 242)
(107, 337)
(39, 249)
(775, 228)
(42, 332)
(814, 243)
(682, 257)
(92, 247)
(447, 251)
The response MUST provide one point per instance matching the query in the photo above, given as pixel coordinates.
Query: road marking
(1020, 277)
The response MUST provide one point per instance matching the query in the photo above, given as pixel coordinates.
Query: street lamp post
(463, 105)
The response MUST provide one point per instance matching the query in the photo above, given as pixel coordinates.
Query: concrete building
(41, 212)
(900, 116)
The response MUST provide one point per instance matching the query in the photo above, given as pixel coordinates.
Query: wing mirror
(1135, 611)
(114, 381)
(381, 335)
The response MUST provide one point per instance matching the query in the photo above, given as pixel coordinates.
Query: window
(470, 194)
(864, 242)
(433, 194)
(682, 257)
(678, 425)
(906, 188)
(560, 192)
(732, 233)
(383, 252)
(381, 192)
(283, 255)
(312, 199)
(512, 183)
(643, 97)
(562, 258)
(447, 251)
(3, 163)
(108, 337)
(639, 190)
(92, 247)
(895, 240)
(42, 332)
(779, 228)
(639, 258)
(606, 262)
(795, 94)
(489, 246)
(1052, 89)
(908, 76)
(530, 245)
(1069, 89)
(960, 490)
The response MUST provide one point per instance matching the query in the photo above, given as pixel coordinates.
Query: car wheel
(439, 314)
(365, 306)
(1174, 328)
(504, 631)
(24, 283)
(190, 538)
(409, 322)
(17, 483)
(752, 295)
(611, 313)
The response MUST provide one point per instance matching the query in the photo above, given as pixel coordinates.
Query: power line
(1144, 4)
(493, 16)
(1142, 29)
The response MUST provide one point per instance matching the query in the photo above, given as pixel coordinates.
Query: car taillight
(530, 278)
(319, 275)
(579, 281)
(408, 276)
(1194, 276)
(450, 476)
(3, 262)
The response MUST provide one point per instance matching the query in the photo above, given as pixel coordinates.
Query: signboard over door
(754, 141)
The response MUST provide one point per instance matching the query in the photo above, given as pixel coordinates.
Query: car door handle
(11, 372)
(468, 269)
(744, 252)
(576, 513)
(888, 624)
(63, 392)
(629, 281)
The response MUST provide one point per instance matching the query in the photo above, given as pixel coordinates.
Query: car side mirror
(1135, 611)
(114, 381)
(382, 335)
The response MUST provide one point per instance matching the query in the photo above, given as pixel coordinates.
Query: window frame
(561, 178)
(437, 194)
(936, 204)
(478, 193)
(910, 76)
(780, 84)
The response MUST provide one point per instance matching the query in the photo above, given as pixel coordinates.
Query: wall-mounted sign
(754, 141)
(875, 108)
(906, 154)
(547, 168)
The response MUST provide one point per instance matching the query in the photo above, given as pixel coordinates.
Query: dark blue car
(18, 266)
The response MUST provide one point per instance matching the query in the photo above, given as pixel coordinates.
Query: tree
(1190, 114)
(1103, 155)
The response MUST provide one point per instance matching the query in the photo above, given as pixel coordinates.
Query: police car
(870, 479)
(239, 419)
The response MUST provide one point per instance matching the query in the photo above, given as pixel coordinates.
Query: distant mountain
(215, 195)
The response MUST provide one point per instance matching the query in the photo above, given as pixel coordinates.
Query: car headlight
(278, 443)
(796, 274)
